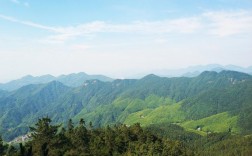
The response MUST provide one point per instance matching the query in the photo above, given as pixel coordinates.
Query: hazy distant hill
(193, 71)
(214, 101)
(73, 80)
(15, 84)
(77, 79)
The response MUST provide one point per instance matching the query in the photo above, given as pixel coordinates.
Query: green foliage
(244, 121)
(161, 114)
(159, 139)
(221, 122)
(116, 140)
(27, 104)
(2, 146)
(43, 135)
(223, 144)
(214, 101)
(150, 100)
(173, 132)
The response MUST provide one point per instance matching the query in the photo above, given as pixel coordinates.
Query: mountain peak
(150, 76)
(235, 74)
(72, 74)
(27, 77)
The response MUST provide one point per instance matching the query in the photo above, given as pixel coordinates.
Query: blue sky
(121, 38)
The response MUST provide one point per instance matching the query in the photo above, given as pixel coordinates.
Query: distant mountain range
(215, 102)
(72, 80)
(77, 79)
(193, 71)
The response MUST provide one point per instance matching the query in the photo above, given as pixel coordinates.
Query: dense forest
(213, 101)
(205, 115)
(83, 139)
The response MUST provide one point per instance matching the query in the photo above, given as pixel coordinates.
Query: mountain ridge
(72, 80)
(193, 71)
(160, 99)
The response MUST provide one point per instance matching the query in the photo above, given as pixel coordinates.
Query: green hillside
(161, 114)
(214, 101)
(222, 122)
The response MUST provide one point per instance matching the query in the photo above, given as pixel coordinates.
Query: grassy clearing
(216, 123)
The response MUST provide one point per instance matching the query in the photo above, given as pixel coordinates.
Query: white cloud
(215, 23)
(183, 25)
(187, 25)
(229, 23)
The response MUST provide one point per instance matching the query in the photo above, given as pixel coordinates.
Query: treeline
(83, 139)
(52, 140)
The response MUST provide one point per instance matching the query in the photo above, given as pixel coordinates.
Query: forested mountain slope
(187, 102)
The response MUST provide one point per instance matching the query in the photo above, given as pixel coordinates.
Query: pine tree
(21, 150)
(81, 137)
(11, 151)
(2, 147)
(70, 125)
(42, 136)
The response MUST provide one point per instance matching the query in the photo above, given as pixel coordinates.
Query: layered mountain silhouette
(193, 71)
(72, 80)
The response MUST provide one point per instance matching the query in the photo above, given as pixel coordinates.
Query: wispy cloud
(143, 27)
(15, 1)
(187, 25)
(28, 23)
(229, 23)
(214, 23)
(26, 4)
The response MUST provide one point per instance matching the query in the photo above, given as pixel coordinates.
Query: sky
(121, 38)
